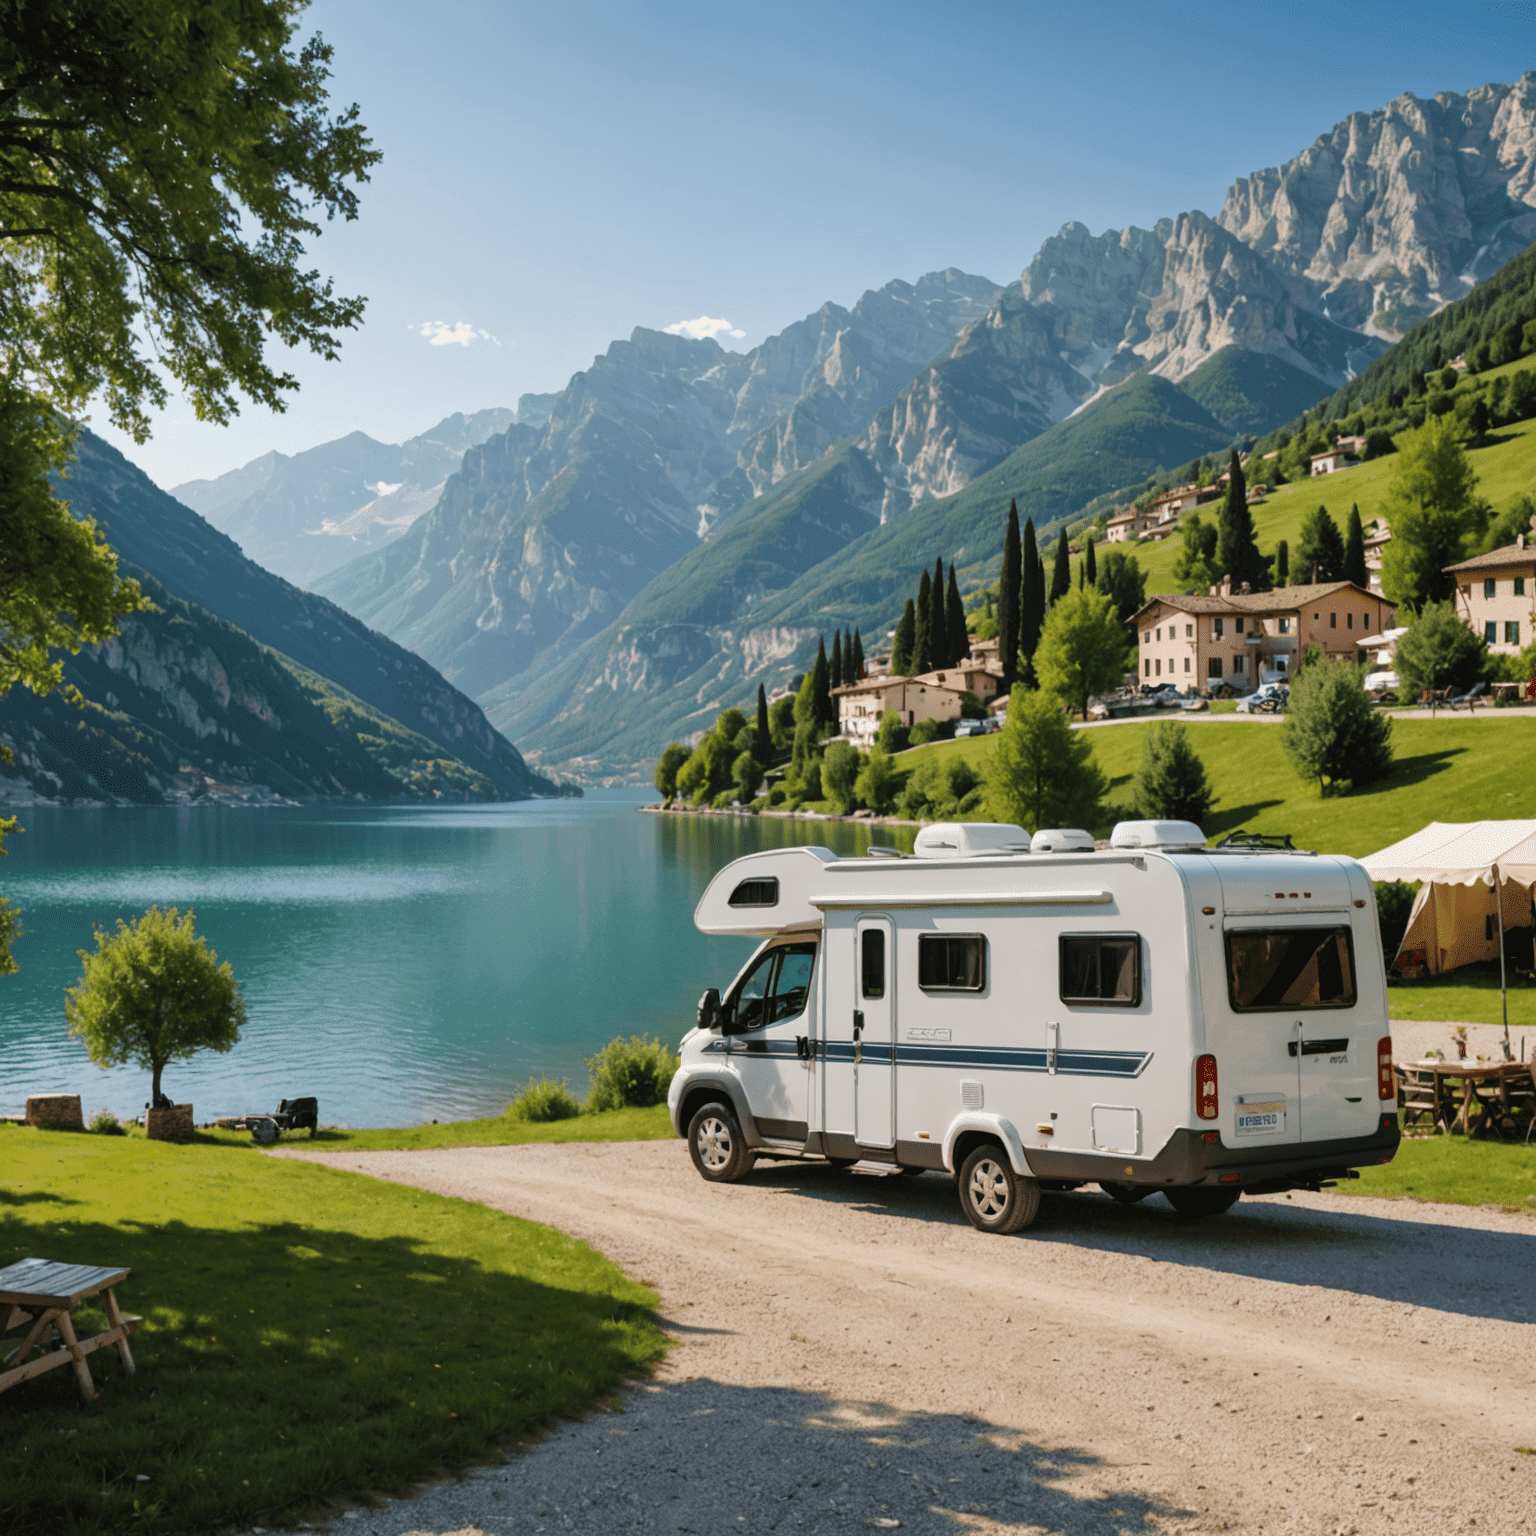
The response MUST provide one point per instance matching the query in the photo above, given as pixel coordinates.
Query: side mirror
(709, 1008)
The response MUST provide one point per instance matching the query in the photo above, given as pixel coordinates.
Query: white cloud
(705, 325)
(439, 334)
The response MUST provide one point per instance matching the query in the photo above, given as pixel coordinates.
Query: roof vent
(1061, 840)
(969, 840)
(1156, 834)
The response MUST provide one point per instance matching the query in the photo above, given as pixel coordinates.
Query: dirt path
(854, 1355)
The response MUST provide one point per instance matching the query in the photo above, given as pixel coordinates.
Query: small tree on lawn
(748, 775)
(1042, 772)
(1439, 651)
(153, 993)
(876, 783)
(1082, 648)
(1171, 784)
(839, 770)
(1332, 733)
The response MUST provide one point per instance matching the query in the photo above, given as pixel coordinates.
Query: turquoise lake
(400, 964)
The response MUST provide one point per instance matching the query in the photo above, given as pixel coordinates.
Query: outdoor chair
(1470, 697)
(1418, 1096)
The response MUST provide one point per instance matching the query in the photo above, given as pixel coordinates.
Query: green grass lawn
(615, 1125)
(308, 1332)
(1455, 1170)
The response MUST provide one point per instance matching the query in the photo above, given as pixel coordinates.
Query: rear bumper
(1188, 1158)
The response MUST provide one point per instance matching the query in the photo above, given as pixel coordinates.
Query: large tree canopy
(161, 164)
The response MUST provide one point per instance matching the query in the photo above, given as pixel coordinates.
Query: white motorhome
(1157, 1016)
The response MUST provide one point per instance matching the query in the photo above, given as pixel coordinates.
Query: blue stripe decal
(1069, 1063)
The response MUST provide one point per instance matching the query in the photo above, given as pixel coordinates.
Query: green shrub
(633, 1073)
(544, 1099)
(105, 1123)
(923, 732)
(1394, 902)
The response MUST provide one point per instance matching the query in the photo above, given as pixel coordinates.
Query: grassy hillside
(1505, 468)
(1248, 392)
(1447, 769)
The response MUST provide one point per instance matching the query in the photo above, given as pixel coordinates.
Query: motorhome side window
(1278, 969)
(1101, 968)
(777, 987)
(872, 962)
(951, 962)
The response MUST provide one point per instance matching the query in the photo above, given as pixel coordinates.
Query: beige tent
(1456, 918)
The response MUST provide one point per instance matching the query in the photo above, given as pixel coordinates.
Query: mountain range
(239, 686)
(685, 520)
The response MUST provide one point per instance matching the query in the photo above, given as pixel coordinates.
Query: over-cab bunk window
(951, 962)
(756, 893)
(1101, 968)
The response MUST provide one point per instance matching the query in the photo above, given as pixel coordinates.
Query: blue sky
(556, 174)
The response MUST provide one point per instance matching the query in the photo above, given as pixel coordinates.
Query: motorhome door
(769, 1014)
(874, 1033)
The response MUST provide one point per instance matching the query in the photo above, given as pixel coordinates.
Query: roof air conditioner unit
(969, 840)
(1156, 834)
(1061, 840)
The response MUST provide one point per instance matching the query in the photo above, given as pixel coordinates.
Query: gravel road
(854, 1356)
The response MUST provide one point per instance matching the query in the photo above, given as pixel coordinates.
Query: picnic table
(55, 1290)
(1449, 1093)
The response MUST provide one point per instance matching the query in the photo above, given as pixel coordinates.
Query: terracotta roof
(1511, 554)
(1281, 600)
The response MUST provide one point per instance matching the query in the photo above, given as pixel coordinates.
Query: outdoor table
(55, 1290)
(1489, 1087)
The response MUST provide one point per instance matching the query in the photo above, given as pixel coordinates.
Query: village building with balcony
(1495, 594)
(936, 695)
(1333, 460)
(1221, 637)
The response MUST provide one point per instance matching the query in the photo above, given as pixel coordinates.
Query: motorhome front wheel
(1198, 1200)
(718, 1148)
(996, 1198)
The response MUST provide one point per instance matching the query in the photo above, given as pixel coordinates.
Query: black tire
(1195, 1202)
(1127, 1194)
(993, 1196)
(717, 1146)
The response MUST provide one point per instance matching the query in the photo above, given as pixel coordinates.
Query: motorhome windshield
(1279, 969)
(775, 988)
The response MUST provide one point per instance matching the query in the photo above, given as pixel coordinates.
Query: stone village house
(1206, 640)
(935, 695)
(1496, 596)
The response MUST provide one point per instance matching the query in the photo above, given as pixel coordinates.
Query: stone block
(55, 1112)
(173, 1124)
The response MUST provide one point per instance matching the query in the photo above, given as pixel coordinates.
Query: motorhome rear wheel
(718, 1148)
(1196, 1202)
(995, 1197)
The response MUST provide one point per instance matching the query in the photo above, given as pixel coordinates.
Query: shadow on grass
(699, 1455)
(283, 1362)
(1231, 818)
(30, 1197)
(1468, 1270)
(1408, 771)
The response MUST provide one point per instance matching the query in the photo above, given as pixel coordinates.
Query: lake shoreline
(858, 819)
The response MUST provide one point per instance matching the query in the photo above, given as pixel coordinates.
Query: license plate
(1258, 1117)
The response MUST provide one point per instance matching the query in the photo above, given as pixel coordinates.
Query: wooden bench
(53, 1291)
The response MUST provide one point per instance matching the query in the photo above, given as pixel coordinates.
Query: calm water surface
(399, 964)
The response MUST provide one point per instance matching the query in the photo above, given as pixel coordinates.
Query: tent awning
(1460, 853)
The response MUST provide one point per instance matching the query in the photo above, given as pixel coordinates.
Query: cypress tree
(1091, 562)
(764, 731)
(1237, 554)
(835, 680)
(938, 620)
(1061, 577)
(905, 642)
(858, 658)
(821, 688)
(1282, 563)
(922, 639)
(954, 611)
(1008, 587)
(1031, 596)
(1354, 552)
(849, 674)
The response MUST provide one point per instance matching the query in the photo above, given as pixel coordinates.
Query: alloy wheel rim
(714, 1143)
(989, 1190)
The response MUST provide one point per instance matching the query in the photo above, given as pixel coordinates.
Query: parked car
(1382, 682)
(975, 727)
(1267, 700)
